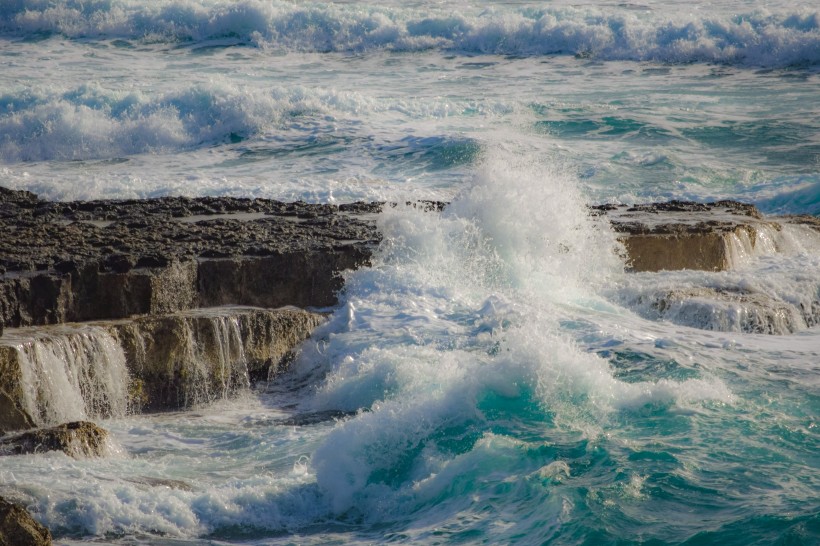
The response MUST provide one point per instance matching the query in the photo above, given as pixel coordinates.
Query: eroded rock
(81, 261)
(727, 310)
(79, 439)
(685, 235)
(18, 528)
(75, 371)
(198, 356)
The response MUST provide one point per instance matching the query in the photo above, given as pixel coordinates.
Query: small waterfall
(765, 239)
(73, 375)
(186, 359)
(748, 242)
(54, 374)
(217, 360)
(233, 363)
(798, 239)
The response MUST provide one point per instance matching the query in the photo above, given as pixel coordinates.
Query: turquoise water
(495, 376)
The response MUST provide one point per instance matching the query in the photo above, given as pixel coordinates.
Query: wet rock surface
(79, 439)
(688, 235)
(147, 363)
(18, 528)
(728, 310)
(80, 261)
(176, 361)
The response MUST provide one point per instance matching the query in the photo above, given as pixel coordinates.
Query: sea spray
(470, 351)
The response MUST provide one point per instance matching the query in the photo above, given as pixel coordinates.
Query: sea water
(495, 376)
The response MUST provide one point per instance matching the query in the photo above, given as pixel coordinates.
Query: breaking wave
(760, 38)
(91, 122)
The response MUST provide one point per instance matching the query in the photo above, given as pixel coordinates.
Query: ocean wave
(761, 38)
(804, 198)
(92, 122)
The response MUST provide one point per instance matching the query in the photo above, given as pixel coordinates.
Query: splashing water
(494, 376)
(466, 308)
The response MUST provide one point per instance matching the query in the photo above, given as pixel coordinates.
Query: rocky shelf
(712, 236)
(186, 292)
(70, 262)
(112, 307)
(147, 363)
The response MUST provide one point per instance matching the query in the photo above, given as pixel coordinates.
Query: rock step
(70, 372)
(78, 439)
(81, 261)
(304, 279)
(713, 236)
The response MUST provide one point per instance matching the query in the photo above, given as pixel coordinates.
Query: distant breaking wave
(763, 39)
(91, 122)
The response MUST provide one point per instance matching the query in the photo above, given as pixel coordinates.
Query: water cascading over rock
(51, 375)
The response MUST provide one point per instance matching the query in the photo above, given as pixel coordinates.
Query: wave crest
(755, 39)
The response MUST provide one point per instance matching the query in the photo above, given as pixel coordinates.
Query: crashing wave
(762, 38)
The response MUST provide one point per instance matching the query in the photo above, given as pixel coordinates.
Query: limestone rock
(687, 235)
(727, 311)
(18, 528)
(66, 262)
(198, 356)
(57, 373)
(302, 279)
(78, 439)
(13, 415)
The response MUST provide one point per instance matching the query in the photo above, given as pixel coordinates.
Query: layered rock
(717, 236)
(195, 357)
(686, 235)
(66, 262)
(150, 270)
(52, 374)
(725, 310)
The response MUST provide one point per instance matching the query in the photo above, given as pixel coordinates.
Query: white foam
(775, 293)
(462, 307)
(92, 122)
(670, 34)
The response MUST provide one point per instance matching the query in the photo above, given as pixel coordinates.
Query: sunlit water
(495, 376)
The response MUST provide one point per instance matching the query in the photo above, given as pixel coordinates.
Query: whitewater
(496, 375)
